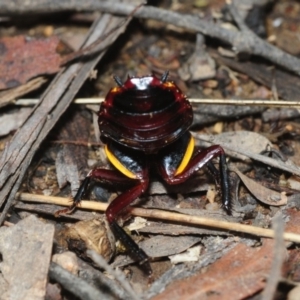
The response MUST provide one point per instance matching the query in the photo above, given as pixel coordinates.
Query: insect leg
(114, 209)
(199, 160)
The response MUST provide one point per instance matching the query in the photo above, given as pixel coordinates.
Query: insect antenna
(164, 77)
(118, 81)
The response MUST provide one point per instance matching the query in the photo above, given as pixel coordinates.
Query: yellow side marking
(118, 165)
(115, 89)
(187, 156)
(169, 84)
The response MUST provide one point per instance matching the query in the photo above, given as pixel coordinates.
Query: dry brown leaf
(291, 267)
(192, 254)
(245, 147)
(175, 229)
(9, 96)
(237, 275)
(13, 120)
(195, 184)
(23, 58)
(262, 193)
(71, 164)
(163, 245)
(247, 140)
(293, 224)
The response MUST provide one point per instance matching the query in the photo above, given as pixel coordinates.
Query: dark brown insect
(144, 123)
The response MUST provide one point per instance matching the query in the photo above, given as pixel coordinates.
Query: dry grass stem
(165, 215)
(240, 102)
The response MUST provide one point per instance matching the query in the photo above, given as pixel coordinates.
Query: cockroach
(144, 123)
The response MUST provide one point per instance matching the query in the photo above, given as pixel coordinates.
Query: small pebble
(67, 260)
(48, 31)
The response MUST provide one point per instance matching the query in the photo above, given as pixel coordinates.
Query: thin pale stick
(165, 215)
(117, 274)
(240, 102)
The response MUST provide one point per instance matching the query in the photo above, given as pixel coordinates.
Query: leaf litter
(243, 145)
(23, 58)
(246, 268)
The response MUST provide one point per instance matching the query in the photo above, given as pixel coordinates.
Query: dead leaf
(262, 193)
(23, 58)
(293, 224)
(240, 148)
(71, 162)
(293, 182)
(238, 274)
(12, 121)
(247, 140)
(291, 267)
(195, 184)
(9, 96)
(191, 254)
(175, 229)
(138, 223)
(161, 245)
(199, 65)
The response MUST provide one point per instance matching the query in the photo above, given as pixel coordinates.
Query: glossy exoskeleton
(144, 123)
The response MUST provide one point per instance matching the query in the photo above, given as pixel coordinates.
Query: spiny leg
(222, 181)
(116, 207)
(109, 176)
(199, 160)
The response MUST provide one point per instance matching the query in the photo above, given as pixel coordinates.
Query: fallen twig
(241, 41)
(117, 274)
(75, 285)
(9, 96)
(279, 257)
(196, 101)
(19, 152)
(92, 47)
(165, 215)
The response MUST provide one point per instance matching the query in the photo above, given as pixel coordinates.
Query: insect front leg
(199, 159)
(104, 175)
(116, 207)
